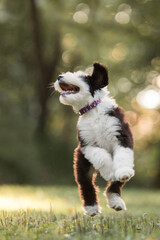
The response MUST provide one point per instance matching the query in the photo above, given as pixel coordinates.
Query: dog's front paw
(92, 210)
(116, 202)
(124, 174)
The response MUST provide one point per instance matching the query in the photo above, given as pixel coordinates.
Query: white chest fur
(101, 148)
(97, 128)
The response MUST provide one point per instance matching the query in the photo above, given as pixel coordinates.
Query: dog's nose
(60, 77)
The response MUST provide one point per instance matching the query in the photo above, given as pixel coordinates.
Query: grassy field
(54, 213)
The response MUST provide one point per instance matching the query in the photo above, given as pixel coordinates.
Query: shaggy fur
(105, 138)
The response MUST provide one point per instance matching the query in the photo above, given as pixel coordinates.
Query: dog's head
(78, 89)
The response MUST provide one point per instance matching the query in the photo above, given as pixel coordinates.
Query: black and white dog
(105, 138)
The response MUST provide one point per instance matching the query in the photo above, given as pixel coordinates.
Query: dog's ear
(99, 77)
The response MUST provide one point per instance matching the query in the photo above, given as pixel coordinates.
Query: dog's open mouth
(68, 88)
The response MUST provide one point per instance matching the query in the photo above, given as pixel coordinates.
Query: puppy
(105, 138)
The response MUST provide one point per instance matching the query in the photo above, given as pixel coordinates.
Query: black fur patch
(115, 187)
(87, 79)
(99, 78)
(125, 138)
(83, 178)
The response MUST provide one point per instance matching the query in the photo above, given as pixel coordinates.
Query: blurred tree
(45, 70)
(42, 38)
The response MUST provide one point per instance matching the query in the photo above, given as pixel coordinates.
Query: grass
(54, 213)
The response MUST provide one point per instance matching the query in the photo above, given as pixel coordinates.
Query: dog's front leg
(123, 163)
(101, 160)
(85, 178)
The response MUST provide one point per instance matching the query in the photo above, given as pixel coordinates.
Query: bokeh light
(119, 52)
(125, 7)
(122, 17)
(149, 98)
(83, 7)
(124, 85)
(69, 41)
(80, 17)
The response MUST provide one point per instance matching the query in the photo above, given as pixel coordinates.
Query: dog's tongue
(68, 87)
(64, 86)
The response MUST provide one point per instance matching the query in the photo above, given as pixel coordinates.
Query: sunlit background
(42, 38)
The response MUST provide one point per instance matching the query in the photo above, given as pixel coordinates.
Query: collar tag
(89, 107)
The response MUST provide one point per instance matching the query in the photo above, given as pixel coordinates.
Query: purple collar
(89, 107)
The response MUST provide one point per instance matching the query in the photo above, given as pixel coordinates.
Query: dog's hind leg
(85, 178)
(113, 193)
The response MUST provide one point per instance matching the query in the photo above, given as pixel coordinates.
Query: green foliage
(34, 225)
(37, 133)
